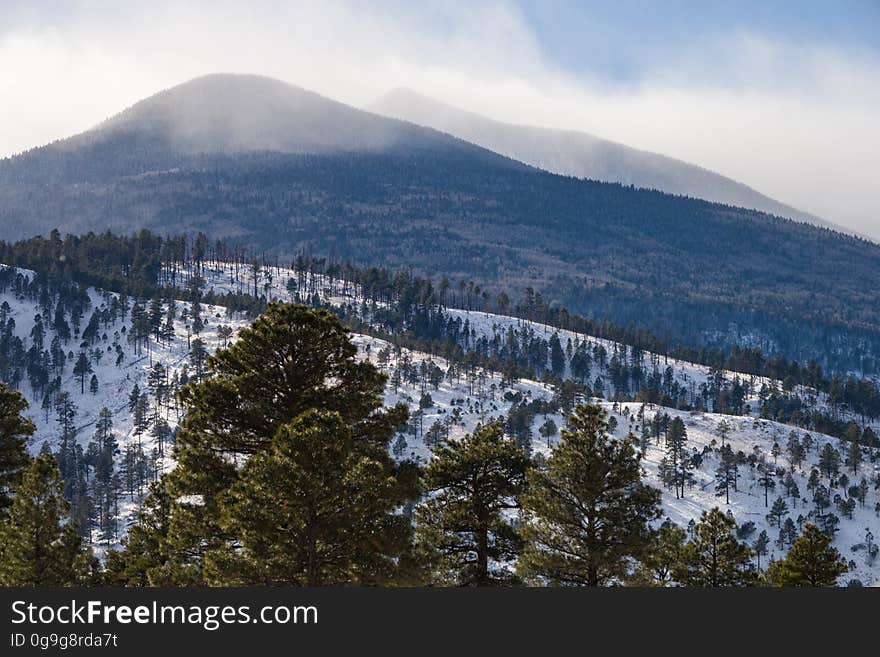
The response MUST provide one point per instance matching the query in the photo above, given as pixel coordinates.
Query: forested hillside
(694, 273)
(112, 378)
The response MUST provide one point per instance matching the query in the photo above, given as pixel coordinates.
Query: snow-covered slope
(446, 402)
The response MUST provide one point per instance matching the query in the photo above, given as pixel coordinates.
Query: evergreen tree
(587, 516)
(811, 561)
(288, 361)
(777, 512)
(714, 557)
(829, 461)
(197, 356)
(761, 546)
(471, 484)
(142, 560)
(314, 509)
(14, 433)
(658, 565)
(767, 481)
(82, 367)
(854, 456)
(679, 465)
(726, 473)
(37, 546)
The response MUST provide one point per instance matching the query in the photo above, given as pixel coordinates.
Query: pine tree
(197, 356)
(714, 557)
(777, 512)
(471, 484)
(37, 546)
(81, 368)
(659, 564)
(288, 361)
(587, 516)
(133, 398)
(142, 560)
(762, 543)
(679, 465)
(726, 473)
(14, 433)
(795, 449)
(854, 456)
(811, 561)
(103, 450)
(829, 461)
(314, 509)
(767, 481)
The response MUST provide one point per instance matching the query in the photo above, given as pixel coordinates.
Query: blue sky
(783, 96)
(625, 39)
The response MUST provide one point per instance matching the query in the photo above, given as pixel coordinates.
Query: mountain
(300, 173)
(582, 155)
(219, 114)
(229, 113)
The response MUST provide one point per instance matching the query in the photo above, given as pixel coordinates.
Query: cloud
(796, 121)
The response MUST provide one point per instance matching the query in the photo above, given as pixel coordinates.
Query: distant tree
(224, 333)
(676, 453)
(777, 512)
(795, 450)
(761, 546)
(197, 356)
(82, 367)
(723, 431)
(557, 356)
(775, 451)
(94, 386)
(829, 461)
(767, 481)
(854, 456)
(548, 430)
(726, 473)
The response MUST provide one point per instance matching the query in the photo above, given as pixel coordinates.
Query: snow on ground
(459, 404)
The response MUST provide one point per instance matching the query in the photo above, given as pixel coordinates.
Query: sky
(782, 96)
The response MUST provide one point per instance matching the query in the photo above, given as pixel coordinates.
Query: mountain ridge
(584, 155)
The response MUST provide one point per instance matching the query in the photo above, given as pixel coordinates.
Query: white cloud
(797, 122)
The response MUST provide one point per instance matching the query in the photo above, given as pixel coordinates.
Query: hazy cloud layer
(797, 121)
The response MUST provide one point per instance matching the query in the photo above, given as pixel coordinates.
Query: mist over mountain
(219, 114)
(282, 170)
(582, 155)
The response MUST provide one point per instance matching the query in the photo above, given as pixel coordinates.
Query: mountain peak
(233, 113)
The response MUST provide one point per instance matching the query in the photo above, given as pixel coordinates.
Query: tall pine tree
(472, 484)
(587, 515)
(290, 360)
